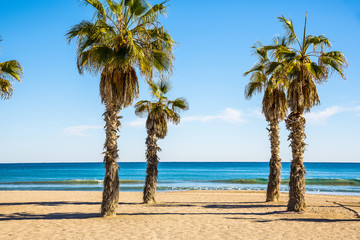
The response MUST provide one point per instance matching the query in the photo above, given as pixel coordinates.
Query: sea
(321, 178)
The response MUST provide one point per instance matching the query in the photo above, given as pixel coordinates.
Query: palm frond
(317, 41)
(153, 13)
(100, 10)
(262, 54)
(258, 67)
(335, 60)
(11, 70)
(255, 86)
(95, 59)
(280, 41)
(99, 31)
(164, 87)
(137, 7)
(179, 104)
(142, 108)
(284, 52)
(114, 6)
(6, 89)
(171, 116)
(161, 60)
(273, 67)
(317, 72)
(289, 28)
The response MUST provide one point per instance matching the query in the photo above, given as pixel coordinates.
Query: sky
(55, 114)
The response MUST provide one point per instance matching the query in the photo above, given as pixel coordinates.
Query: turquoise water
(324, 178)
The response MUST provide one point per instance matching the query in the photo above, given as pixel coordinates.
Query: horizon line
(177, 162)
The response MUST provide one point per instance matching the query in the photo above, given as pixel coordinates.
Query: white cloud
(257, 113)
(228, 115)
(137, 123)
(320, 117)
(80, 130)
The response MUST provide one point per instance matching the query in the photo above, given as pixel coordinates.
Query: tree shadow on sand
(254, 216)
(57, 203)
(314, 220)
(232, 206)
(50, 216)
(168, 207)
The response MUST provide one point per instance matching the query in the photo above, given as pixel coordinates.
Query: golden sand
(177, 215)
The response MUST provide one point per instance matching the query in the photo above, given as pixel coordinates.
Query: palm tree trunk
(151, 170)
(296, 124)
(273, 188)
(111, 181)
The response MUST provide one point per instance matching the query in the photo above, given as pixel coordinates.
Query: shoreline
(331, 178)
(325, 193)
(195, 214)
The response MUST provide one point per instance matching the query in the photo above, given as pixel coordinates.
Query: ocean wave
(323, 181)
(69, 182)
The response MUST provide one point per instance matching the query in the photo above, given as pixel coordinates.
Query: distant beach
(321, 178)
(177, 215)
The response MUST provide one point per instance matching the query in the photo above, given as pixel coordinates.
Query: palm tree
(307, 65)
(274, 107)
(123, 36)
(9, 71)
(159, 113)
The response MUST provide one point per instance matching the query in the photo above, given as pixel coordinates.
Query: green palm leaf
(117, 39)
(9, 71)
(289, 28)
(137, 7)
(317, 41)
(153, 13)
(161, 110)
(100, 13)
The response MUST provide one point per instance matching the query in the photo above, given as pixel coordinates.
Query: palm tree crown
(307, 65)
(270, 77)
(123, 36)
(9, 71)
(162, 110)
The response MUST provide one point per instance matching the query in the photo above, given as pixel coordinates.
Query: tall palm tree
(9, 71)
(124, 35)
(308, 64)
(274, 107)
(159, 113)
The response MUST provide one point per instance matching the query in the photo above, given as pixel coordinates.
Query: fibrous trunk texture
(111, 181)
(295, 123)
(273, 188)
(151, 170)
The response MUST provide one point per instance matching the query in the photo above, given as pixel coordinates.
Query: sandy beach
(177, 215)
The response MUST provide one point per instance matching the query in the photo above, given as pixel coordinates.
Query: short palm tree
(274, 107)
(9, 71)
(124, 35)
(159, 113)
(308, 64)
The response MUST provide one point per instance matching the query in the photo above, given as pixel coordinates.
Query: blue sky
(55, 113)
